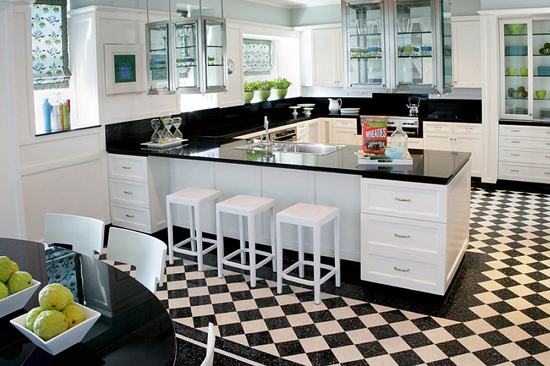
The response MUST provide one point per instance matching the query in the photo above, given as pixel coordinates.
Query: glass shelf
(214, 46)
(366, 58)
(416, 56)
(413, 33)
(158, 50)
(185, 47)
(515, 35)
(542, 34)
(366, 35)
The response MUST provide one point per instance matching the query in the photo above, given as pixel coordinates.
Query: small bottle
(400, 141)
(47, 110)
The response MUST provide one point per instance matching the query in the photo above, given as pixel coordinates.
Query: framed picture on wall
(125, 68)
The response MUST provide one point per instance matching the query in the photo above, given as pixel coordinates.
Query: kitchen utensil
(349, 110)
(511, 71)
(295, 110)
(544, 70)
(515, 28)
(516, 50)
(540, 94)
(545, 113)
(524, 71)
(17, 300)
(307, 111)
(425, 24)
(414, 105)
(306, 105)
(334, 105)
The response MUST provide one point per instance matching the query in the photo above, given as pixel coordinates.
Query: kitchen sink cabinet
(450, 136)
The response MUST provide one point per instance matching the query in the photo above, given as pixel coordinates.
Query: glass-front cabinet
(194, 56)
(397, 45)
(525, 69)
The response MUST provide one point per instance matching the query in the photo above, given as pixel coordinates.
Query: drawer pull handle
(402, 236)
(514, 142)
(129, 216)
(515, 130)
(401, 269)
(126, 167)
(514, 170)
(514, 154)
(547, 157)
(469, 128)
(547, 173)
(402, 199)
(128, 192)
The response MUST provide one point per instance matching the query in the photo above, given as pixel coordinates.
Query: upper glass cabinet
(525, 69)
(365, 39)
(398, 45)
(194, 58)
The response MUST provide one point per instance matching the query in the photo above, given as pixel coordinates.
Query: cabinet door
(437, 141)
(302, 134)
(314, 131)
(234, 94)
(343, 136)
(327, 57)
(467, 54)
(158, 54)
(470, 143)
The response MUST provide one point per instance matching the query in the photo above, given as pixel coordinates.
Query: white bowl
(66, 339)
(18, 300)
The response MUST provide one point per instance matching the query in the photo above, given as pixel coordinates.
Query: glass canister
(399, 143)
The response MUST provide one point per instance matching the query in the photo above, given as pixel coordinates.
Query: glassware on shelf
(177, 124)
(155, 124)
(373, 26)
(425, 24)
(404, 25)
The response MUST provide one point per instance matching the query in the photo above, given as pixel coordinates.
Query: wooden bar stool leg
(301, 230)
(337, 249)
(219, 239)
(279, 258)
(170, 232)
(273, 240)
(316, 264)
(242, 241)
(198, 223)
(192, 229)
(251, 222)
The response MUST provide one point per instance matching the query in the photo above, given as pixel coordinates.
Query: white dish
(18, 300)
(306, 105)
(165, 145)
(356, 110)
(66, 339)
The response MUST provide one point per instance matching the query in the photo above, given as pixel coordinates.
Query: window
(257, 56)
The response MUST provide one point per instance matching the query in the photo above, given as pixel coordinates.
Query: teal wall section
(316, 15)
(465, 7)
(513, 4)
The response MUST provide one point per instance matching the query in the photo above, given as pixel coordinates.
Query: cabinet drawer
(524, 155)
(404, 199)
(467, 128)
(523, 142)
(414, 273)
(129, 192)
(131, 217)
(345, 122)
(422, 238)
(524, 172)
(525, 131)
(437, 127)
(128, 167)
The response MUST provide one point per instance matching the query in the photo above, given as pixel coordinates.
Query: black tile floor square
(497, 311)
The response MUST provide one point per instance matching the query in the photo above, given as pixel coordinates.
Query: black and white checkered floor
(496, 312)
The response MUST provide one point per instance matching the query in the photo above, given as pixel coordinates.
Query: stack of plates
(349, 110)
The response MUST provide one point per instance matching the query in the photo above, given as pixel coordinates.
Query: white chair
(209, 359)
(85, 234)
(145, 252)
(195, 199)
(245, 207)
(313, 216)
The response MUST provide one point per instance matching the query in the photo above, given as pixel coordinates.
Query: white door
(471, 144)
(235, 92)
(327, 57)
(466, 53)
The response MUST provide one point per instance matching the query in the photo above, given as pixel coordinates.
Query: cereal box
(375, 136)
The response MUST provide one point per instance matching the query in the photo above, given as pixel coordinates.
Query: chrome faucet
(266, 125)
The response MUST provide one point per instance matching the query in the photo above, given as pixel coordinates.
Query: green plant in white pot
(249, 89)
(264, 89)
(281, 87)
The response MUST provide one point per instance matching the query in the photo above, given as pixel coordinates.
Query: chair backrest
(209, 359)
(85, 234)
(146, 253)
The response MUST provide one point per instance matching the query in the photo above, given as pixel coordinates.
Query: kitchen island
(407, 225)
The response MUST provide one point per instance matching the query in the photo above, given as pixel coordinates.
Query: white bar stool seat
(196, 199)
(314, 216)
(245, 207)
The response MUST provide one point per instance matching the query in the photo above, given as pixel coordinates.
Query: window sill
(71, 130)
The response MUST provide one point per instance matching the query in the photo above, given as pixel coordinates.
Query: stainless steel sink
(294, 147)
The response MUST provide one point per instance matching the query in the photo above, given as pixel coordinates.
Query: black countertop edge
(379, 174)
(451, 120)
(524, 123)
(65, 131)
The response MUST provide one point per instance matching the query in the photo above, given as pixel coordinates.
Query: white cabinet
(235, 93)
(524, 153)
(302, 132)
(326, 48)
(449, 136)
(414, 235)
(344, 131)
(137, 200)
(466, 52)
(314, 131)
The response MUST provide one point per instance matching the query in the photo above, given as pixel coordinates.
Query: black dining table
(134, 328)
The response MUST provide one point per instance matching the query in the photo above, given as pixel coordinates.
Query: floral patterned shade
(257, 57)
(50, 59)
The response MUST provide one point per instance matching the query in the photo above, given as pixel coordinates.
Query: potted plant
(249, 88)
(281, 86)
(264, 88)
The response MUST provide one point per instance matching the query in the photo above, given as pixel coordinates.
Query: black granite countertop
(545, 123)
(429, 166)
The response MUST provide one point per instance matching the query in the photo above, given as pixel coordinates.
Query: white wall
(12, 218)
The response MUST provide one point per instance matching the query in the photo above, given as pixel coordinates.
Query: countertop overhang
(429, 166)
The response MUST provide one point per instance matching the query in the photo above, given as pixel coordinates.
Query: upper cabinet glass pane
(365, 51)
(187, 75)
(214, 41)
(516, 69)
(447, 45)
(415, 64)
(541, 69)
(159, 56)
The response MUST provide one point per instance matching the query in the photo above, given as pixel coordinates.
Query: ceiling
(291, 4)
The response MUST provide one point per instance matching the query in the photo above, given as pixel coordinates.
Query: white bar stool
(313, 216)
(195, 198)
(249, 207)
